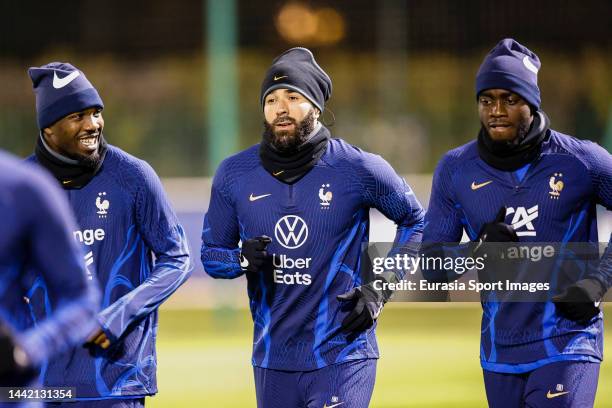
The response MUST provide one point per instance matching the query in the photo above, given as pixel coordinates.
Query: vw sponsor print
(291, 232)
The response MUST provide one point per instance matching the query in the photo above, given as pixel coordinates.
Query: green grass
(429, 358)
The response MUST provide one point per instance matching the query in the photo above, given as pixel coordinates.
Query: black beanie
(296, 69)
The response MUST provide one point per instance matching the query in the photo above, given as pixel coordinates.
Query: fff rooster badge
(556, 186)
(102, 204)
(325, 195)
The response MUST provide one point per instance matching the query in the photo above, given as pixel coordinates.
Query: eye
(97, 113)
(485, 101)
(293, 98)
(512, 101)
(270, 101)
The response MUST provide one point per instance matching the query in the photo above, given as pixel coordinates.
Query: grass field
(429, 358)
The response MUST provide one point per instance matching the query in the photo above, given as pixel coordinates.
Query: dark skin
(504, 114)
(76, 135)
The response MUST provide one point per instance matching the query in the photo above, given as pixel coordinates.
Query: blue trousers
(345, 385)
(565, 384)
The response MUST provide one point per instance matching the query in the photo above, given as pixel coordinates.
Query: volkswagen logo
(291, 231)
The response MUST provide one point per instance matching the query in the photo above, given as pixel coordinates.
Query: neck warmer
(72, 174)
(289, 167)
(511, 156)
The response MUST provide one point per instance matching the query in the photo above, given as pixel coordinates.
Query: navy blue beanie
(61, 89)
(296, 69)
(511, 66)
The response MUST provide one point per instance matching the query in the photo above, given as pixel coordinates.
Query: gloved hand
(254, 254)
(497, 230)
(15, 370)
(494, 231)
(580, 302)
(368, 303)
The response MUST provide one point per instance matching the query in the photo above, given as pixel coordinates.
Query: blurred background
(181, 80)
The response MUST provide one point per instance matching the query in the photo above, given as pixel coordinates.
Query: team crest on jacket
(102, 204)
(325, 196)
(556, 185)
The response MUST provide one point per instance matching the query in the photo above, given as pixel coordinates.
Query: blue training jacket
(467, 193)
(138, 252)
(35, 235)
(318, 226)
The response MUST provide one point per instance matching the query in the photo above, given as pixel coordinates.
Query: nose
(498, 108)
(282, 108)
(91, 123)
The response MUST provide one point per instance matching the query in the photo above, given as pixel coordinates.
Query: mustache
(284, 119)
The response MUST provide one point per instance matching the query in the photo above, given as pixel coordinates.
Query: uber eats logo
(291, 232)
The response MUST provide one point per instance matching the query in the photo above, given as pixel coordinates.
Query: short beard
(522, 130)
(92, 161)
(288, 141)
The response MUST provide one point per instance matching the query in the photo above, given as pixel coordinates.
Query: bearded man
(299, 201)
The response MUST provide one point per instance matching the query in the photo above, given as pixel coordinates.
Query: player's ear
(47, 133)
(316, 113)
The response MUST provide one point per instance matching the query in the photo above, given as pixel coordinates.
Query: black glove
(497, 230)
(15, 371)
(577, 302)
(254, 254)
(368, 303)
(494, 231)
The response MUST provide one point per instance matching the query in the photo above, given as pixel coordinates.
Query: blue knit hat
(512, 66)
(296, 69)
(61, 89)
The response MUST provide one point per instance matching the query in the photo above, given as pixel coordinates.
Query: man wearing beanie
(521, 181)
(124, 223)
(299, 203)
